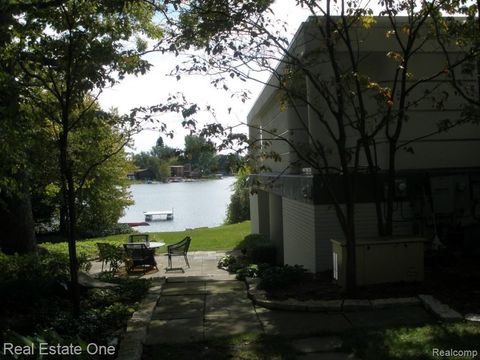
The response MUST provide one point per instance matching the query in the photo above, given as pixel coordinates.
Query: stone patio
(203, 264)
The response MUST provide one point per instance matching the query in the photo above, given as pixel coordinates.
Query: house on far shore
(437, 183)
(177, 171)
(141, 174)
(180, 171)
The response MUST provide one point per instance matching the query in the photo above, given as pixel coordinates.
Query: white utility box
(381, 261)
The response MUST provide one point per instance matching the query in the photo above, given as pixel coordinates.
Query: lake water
(194, 204)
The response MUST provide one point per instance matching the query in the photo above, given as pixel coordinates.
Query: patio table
(155, 244)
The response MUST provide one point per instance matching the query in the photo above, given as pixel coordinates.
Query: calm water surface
(195, 204)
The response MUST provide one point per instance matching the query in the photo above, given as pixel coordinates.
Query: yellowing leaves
(390, 33)
(384, 92)
(395, 56)
(367, 21)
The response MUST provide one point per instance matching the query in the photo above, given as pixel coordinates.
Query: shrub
(226, 261)
(281, 276)
(232, 263)
(26, 278)
(258, 249)
(263, 253)
(252, 271)
(239, 208)
(114, 229)
(113, 255)
(252, 240)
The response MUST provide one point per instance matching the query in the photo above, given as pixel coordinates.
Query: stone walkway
(203, 302)
(199, 310)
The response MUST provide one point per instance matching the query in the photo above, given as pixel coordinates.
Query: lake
(195, 204)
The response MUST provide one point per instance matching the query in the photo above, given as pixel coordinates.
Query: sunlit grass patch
(225, 237)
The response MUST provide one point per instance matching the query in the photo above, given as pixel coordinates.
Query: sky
(155, 86)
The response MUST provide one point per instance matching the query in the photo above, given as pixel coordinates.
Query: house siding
(299, 234)
(254, 218)
(276, 225)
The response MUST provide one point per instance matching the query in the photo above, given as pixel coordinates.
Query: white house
(292, 207)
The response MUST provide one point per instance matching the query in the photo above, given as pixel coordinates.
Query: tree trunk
(351, 276)
(350, 238)
(376, 187)
(69, 205)
(63, 227)
(16, 222)
(390, 189)
(72, 249)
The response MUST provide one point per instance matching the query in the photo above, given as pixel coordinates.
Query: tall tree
(104, 195)
(200, 153)
(79, 48)
(15, 203)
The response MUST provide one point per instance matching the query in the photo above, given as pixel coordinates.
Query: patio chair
(103, 253)
(138, 238)
(178, 249)
(139, 255)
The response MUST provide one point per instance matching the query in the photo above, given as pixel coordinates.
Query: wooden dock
(162, 214)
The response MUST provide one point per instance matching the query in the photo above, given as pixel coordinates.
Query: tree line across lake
(199, 154)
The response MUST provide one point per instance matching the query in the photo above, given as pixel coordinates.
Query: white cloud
(154, 87)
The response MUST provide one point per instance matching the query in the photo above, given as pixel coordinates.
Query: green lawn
(244, 347)
(412, 343)
(398, 343)
(225, 237)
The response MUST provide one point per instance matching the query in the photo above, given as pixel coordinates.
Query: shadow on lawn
(413, 343)
(238, 347)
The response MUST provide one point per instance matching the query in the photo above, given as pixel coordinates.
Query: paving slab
(187, 288)
(175, 331)
(318, 344)
(186, 314)
(327, 356)
(395, 302)
(219, 325)
(226, 286)
(301, 323)
(205, 256)
(189, 278)
(443, 311)
(472, 317)
(356, 304)
(180, 302)
(233, 302)
(412, 315)
(179, 307)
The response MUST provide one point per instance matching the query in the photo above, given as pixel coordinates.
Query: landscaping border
(440, 310)
(131, 346)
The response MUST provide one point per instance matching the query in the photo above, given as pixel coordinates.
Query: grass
(413, 343)
(247, 347)
(399, 343)
(225, 237)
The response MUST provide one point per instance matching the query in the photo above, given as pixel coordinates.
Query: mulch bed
(453, 280)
